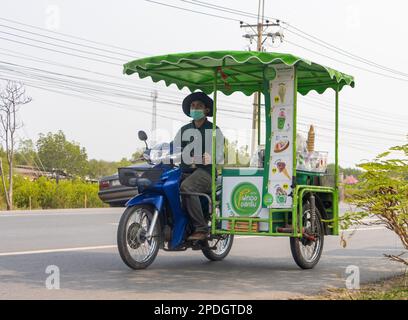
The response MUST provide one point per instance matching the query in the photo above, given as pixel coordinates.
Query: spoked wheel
(135, 249)
(307, 250)
(218, 247)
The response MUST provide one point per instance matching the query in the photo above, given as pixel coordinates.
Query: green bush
(48, 194)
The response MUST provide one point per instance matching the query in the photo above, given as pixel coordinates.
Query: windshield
(162, 153)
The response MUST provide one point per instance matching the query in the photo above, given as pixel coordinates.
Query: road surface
(82, 244)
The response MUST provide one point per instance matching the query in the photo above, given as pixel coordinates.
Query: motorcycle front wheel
(136, 251)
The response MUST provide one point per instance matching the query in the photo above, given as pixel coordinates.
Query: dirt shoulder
(395, 288)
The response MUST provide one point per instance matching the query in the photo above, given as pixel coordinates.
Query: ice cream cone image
(282, 92)
(286, 173)
(282, 169)
(311, 139)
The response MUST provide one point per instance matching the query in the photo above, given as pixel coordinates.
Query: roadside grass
(395, 288)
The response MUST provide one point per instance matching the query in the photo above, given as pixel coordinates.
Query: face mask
(196, 114)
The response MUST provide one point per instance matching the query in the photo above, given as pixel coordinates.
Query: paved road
(82, 244)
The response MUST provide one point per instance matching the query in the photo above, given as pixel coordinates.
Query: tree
(383, 192)
(123, 163)
(99, 168)
(26, 153)
(11, 98)
(137, 156)
(56, 153)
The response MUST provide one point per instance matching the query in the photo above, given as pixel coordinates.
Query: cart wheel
(307, 252)
(218, 248)
(136, 251)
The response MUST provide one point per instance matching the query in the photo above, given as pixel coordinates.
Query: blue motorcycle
(156, 219)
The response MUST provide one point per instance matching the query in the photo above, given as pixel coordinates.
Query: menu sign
(281, 90)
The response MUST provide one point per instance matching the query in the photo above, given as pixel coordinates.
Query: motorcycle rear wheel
(217, 249)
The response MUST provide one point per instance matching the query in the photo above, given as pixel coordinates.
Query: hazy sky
(374, 115)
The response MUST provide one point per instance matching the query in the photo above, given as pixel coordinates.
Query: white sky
(377, 118)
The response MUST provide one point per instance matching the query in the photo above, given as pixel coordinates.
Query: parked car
(115, 194)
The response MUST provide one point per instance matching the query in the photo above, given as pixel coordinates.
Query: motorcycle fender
(145, 198)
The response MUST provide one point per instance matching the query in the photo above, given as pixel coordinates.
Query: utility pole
(154, 116)
(261, 37)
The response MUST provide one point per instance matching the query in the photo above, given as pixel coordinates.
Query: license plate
(115, 183)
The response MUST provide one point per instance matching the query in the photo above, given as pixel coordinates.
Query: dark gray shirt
(193, 142)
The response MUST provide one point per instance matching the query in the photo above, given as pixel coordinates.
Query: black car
(115, 194)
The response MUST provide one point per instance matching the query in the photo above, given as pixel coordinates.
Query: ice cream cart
(283, 194)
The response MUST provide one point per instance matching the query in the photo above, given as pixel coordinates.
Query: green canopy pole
(336, 168)
(213, 155)
(259, 118)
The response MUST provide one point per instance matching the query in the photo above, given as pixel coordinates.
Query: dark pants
(198, 181)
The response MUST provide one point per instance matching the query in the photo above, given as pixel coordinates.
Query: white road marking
(363, 229)
(63, 213)
(28, 215)
(17, 253)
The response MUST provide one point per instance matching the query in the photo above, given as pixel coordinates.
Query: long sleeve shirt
(193, 142)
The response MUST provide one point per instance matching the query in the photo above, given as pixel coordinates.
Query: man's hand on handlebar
(206, 159)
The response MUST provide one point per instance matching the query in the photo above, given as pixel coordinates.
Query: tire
(223, 248)
(130, 237)
(298, 246)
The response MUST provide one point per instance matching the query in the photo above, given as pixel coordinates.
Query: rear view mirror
(142, 135)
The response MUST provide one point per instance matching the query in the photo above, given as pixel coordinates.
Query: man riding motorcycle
(194, 141)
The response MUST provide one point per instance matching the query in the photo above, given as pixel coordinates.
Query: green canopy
(236, 70)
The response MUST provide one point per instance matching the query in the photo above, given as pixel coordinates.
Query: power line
(356, 114)
(369, 115)
(189, 10)
(342, 51)
(60, 46)
(346, 63)
(58, 51)
(71, 36)
(223, 9)
(235, 11)
(66, 41)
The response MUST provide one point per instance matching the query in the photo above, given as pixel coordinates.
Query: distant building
(350, 180)
(34, 173)
(29, 172)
